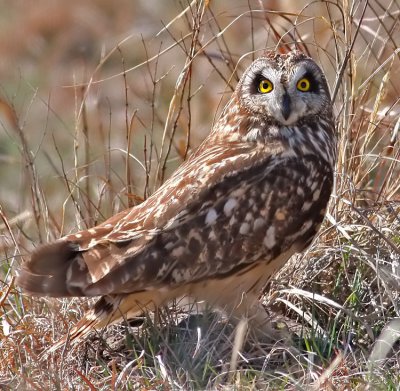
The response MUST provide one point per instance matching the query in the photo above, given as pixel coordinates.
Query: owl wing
(69, 266)
(224, 209)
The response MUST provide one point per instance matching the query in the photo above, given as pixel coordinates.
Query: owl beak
(286, 106)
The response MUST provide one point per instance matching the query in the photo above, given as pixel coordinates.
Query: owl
(253, 194)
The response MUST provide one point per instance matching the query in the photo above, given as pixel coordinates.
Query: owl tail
(97, 317)
(107, 310)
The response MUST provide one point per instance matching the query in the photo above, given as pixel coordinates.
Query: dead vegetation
(100, 103)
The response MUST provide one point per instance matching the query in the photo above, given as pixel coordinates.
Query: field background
(100, 101)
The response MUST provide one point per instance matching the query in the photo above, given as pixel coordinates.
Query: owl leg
(239, 300)
(260, 323)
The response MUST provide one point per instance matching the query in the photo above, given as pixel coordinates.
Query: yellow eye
(265, 86)
(303, 85)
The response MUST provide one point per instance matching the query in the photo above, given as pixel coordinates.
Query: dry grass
(100, 103)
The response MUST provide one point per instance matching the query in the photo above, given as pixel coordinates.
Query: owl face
(284, 88)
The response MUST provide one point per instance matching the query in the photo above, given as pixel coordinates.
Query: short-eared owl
(253, 194)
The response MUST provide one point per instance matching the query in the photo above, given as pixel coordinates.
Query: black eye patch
(256, 82)
(314, 84)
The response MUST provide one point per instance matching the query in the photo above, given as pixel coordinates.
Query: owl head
(284, 89)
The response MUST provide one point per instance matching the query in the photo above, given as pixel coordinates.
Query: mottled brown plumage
(252, 195)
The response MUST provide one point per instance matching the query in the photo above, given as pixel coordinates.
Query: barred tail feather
(104, 312)
(108, 310)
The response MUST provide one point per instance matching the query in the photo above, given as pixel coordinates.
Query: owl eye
(303, 84)
(265, 86)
